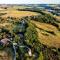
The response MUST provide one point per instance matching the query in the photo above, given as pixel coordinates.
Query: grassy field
(44, 35)
(17, 14)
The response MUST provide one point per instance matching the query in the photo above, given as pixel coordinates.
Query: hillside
(29, 34)
(47, 33)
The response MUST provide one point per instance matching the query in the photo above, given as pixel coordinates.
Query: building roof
(5, 40)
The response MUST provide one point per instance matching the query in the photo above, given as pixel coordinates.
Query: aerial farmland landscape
(29, 31)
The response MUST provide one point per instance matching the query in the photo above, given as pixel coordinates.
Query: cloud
(30, 1)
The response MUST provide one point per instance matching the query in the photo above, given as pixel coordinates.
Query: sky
(30, 2)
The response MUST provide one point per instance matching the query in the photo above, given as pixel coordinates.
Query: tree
(31, 35)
